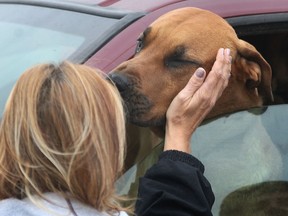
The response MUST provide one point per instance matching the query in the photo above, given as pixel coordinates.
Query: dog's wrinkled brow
(180, 51)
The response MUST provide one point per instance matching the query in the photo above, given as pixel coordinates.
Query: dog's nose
(121, 81)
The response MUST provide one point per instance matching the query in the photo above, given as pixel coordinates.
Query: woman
(62, 138)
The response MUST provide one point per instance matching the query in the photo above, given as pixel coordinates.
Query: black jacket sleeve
(175, 186)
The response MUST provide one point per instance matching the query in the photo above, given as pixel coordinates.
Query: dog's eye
(175, 63)
(179, 59)
(180, 63)
(139, 45)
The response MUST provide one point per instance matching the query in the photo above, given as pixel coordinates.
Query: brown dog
(168, 53)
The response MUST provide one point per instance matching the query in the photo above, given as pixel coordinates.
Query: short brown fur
(174, 46)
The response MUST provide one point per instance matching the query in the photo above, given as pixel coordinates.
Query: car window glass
(240, 151)
(31, 35)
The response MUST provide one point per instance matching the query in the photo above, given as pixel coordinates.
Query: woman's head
(62, 130)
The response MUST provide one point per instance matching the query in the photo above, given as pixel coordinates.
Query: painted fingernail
(200, 72)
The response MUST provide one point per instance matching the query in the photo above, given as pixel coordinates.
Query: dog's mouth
(137, 106)
(147, 123)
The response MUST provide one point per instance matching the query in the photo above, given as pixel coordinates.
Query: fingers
(219, 75)
(195, 101)
(193, 84)
(208, 92)
(216, 81)
(222, 65)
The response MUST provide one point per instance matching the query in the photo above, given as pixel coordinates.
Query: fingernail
(230, 60)
(227, 50)
(222, 51)
(200, 72)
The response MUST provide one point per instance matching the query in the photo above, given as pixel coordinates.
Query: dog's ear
(256, 71)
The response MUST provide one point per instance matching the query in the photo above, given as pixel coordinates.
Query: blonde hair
(63, 130)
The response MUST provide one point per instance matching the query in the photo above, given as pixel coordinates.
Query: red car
(103, 34)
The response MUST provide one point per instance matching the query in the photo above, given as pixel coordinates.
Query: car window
(240, 151)
(31, 35)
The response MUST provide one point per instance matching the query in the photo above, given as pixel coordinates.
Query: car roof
(247, 6)
(142, 5)
(219, 6)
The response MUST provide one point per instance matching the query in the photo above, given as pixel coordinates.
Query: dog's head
(168, 53)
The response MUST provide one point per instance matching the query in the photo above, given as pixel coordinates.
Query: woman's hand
(194, 102)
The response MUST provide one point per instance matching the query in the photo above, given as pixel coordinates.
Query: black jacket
(175, 186)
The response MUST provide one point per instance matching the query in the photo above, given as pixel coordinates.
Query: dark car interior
(269, 34)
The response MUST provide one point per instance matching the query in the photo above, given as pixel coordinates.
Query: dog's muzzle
(137, 105)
